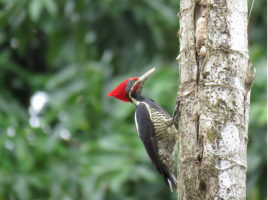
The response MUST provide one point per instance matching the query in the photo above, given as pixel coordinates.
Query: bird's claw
(175, 114)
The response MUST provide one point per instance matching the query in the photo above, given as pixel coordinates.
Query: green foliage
(257, 145)
(82, 144)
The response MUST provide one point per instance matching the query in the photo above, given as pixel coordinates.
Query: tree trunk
(213, 99)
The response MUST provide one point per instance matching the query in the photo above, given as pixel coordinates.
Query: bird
(154, 125)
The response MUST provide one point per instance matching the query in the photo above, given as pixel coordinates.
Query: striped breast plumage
(166, 136)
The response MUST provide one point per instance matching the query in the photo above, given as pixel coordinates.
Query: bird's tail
(169, 178)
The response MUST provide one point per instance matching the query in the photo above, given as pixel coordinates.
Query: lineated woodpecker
(154, 125)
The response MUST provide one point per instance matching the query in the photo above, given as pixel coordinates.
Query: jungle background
(61, 137)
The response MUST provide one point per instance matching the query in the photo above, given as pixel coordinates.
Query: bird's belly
(166, 136)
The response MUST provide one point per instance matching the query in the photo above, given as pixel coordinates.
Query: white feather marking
(136, 124)
(170, 185)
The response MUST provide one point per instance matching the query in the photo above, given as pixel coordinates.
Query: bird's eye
(130, 82)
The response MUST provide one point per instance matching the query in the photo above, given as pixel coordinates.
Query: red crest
(120, 91)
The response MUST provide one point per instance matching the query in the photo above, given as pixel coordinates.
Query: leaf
(119, 178)
(35, 9)
(62, 77)
(50, 6)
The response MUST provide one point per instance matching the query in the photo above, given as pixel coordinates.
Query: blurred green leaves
(86, 146)
(37, 6)
(35, 9)
(257, 145)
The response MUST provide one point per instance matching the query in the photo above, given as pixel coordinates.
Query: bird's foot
(170, 121)
(175, 114)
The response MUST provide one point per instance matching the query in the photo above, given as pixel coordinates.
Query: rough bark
(213, 99)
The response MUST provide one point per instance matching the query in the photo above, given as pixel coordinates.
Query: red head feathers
(120, 91)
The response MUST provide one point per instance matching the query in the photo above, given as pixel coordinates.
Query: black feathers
(147, 135)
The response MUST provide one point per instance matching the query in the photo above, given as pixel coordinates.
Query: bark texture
(213, 99)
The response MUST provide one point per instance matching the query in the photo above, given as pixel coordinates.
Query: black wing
(147, 135)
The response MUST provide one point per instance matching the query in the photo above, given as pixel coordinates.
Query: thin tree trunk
(213, 99)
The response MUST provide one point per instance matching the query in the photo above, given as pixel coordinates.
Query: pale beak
(142, 79)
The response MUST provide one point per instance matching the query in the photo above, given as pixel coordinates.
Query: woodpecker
(154, 125)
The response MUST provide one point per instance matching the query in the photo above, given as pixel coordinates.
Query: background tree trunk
(213, 99)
